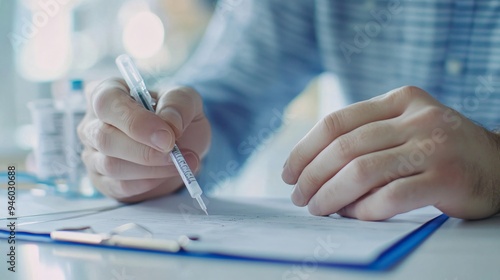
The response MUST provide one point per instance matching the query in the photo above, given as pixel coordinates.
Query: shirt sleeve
(255, 57)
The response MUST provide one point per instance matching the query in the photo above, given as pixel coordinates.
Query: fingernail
(189, 156)
(162, 139)
(284, 164)
(286, 175)
(297, 196)
(313, 207)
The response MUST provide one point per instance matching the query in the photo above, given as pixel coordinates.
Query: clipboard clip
(85, 235)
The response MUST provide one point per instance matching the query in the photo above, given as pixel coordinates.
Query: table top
(458, 250)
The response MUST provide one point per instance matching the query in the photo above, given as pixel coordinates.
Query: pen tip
(202, 204)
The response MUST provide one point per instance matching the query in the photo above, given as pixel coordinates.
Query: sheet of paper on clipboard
(255, 228)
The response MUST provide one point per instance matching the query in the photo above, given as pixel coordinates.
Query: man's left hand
(394, 153)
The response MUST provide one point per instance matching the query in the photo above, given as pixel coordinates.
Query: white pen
(140, 93)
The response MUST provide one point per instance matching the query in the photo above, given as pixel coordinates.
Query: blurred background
(45, 44)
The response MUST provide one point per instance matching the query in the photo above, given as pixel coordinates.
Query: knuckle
(411, 90)
(405, 94)
(333, 122)
(103, 102)
(147, 154)
(429, 116)
(102, 85)
(345, 146)
(433, 113)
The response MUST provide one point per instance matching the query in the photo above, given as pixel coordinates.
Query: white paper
(256, 227)
(28, 206)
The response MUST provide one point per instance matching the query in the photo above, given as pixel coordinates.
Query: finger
(113, 142)
(124, 170)
(166, 187)
(121, 189)
(363, 140)
(359, 177)
(340, 122)
(113, 105)
(180, 108)
(399, 196)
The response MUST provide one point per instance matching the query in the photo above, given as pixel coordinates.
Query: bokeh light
(143, 35)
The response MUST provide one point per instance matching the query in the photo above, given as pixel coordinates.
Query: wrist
(495, 135)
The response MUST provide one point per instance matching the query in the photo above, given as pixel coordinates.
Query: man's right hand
(126, 147)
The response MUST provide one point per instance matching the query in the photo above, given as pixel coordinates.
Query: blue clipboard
(386, 260)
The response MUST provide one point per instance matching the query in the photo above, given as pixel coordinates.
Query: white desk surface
(458, 250)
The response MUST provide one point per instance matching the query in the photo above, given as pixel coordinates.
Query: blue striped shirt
(258, 55)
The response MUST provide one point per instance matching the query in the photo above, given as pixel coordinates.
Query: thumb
(179, 108)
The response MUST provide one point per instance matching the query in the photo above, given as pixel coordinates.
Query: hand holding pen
(141, 94)
(127, 147)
